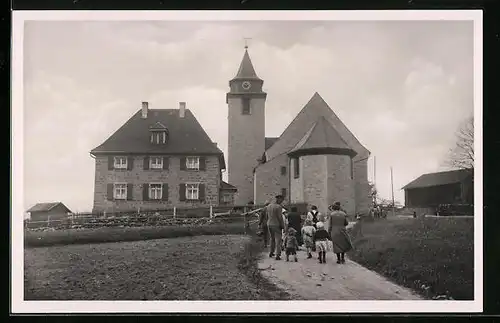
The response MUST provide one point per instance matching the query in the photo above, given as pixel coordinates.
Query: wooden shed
(44, 211)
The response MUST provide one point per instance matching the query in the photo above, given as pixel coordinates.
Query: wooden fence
(165, 217)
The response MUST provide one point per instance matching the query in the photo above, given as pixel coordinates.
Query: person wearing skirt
(321, 239)
(337, 222)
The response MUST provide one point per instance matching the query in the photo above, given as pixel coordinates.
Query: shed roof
(439, 178)
(44, 207)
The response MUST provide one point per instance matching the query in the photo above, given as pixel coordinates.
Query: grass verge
(188, 268)
(434, 256)
(114, 234)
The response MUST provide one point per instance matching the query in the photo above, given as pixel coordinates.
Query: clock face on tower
(246, 85)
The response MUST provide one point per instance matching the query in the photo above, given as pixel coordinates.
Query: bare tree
(461, 156)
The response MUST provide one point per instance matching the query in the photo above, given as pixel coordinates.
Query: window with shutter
(120, 191)
(166, 162)
(156, 163)
(192, 191)
(146, 163)
(155, 191)
(120, 162)
(164, 192)
(182, 192)
(193, 163)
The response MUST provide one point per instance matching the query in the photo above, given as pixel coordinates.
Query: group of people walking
(288, 231)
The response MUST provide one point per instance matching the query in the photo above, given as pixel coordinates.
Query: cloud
(401, 87)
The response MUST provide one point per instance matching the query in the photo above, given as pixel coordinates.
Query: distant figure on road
(295, 221)
(337, 221)
(263, 224)
(275, 224)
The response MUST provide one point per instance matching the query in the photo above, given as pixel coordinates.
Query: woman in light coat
(336, 226)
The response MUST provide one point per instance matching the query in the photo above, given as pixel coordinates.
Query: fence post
(48, 221)
(175, 211)
(211, 212)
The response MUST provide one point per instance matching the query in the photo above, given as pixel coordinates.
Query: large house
(316, 160)
(433, 189)
(159, 158)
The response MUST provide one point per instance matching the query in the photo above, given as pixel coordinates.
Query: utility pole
(392, 190)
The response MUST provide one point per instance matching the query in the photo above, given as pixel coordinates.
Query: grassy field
(116, 234)
(189, 268)
(434, 256)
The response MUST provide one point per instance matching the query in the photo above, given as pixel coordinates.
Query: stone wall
(340, 184)
(314, 170)
(361, 186)
(269, 181)
(138, 177)
(246, 140)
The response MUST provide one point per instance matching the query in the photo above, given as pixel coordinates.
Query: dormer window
(158, 134)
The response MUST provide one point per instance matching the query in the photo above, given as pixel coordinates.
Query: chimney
(144, 110)
(182, 109)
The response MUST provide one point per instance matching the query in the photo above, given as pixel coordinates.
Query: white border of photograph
(19, 305)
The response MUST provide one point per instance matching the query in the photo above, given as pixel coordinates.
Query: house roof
(322, 138)
(186, 135)
(246, 70)
(43, 207)
(270, 141)
(440, 178)
(227, 186)
(316, 107)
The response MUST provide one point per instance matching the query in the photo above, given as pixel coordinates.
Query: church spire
(246, 70)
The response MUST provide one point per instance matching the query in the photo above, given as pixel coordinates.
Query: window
(283, 170)
(156, 163)
(283, 192)
(296, 167)
(246, 106)
(120, 162)
(192, 191)
(158, 137)
(226, 198)
(155, 191)
(120, 191)
(352, 169)
(193, 163)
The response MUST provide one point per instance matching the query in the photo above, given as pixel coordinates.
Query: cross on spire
(246, 39)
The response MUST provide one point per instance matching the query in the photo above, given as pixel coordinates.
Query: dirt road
(307, 279)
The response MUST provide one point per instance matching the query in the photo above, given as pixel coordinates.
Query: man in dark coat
(275, 224)
(295, 221)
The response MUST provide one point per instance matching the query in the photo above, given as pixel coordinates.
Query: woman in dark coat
(295, 221)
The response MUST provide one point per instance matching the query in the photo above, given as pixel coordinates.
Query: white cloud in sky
(401, 87)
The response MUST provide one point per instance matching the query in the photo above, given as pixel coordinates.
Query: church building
(316, 160)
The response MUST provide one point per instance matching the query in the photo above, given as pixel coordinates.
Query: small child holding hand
(291, 244)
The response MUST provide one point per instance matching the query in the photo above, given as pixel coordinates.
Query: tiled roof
(46, 207)
(185, 135)
(246, 70)
(227, 186)
(440, 178)
(270, 141)
(323, 137)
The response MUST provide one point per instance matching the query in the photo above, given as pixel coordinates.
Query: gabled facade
(159, 158)
(269, 158)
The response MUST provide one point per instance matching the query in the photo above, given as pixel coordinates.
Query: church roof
(322, 138)
(303, 122)
(269, 141)
(246, 70)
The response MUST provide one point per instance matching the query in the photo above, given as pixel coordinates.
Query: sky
(402, 88)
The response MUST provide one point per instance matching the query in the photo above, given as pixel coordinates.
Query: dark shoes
(278, 258)
(309, 256)
(271, 255)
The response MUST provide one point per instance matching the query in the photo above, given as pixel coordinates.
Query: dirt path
(310, 280)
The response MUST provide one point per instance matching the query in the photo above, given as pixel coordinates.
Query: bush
(434, 256)
(114, 234)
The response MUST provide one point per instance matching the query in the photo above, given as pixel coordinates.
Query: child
(308, 231)
(321, 238)
(291, 244)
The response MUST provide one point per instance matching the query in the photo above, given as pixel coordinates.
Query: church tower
(246, 128)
